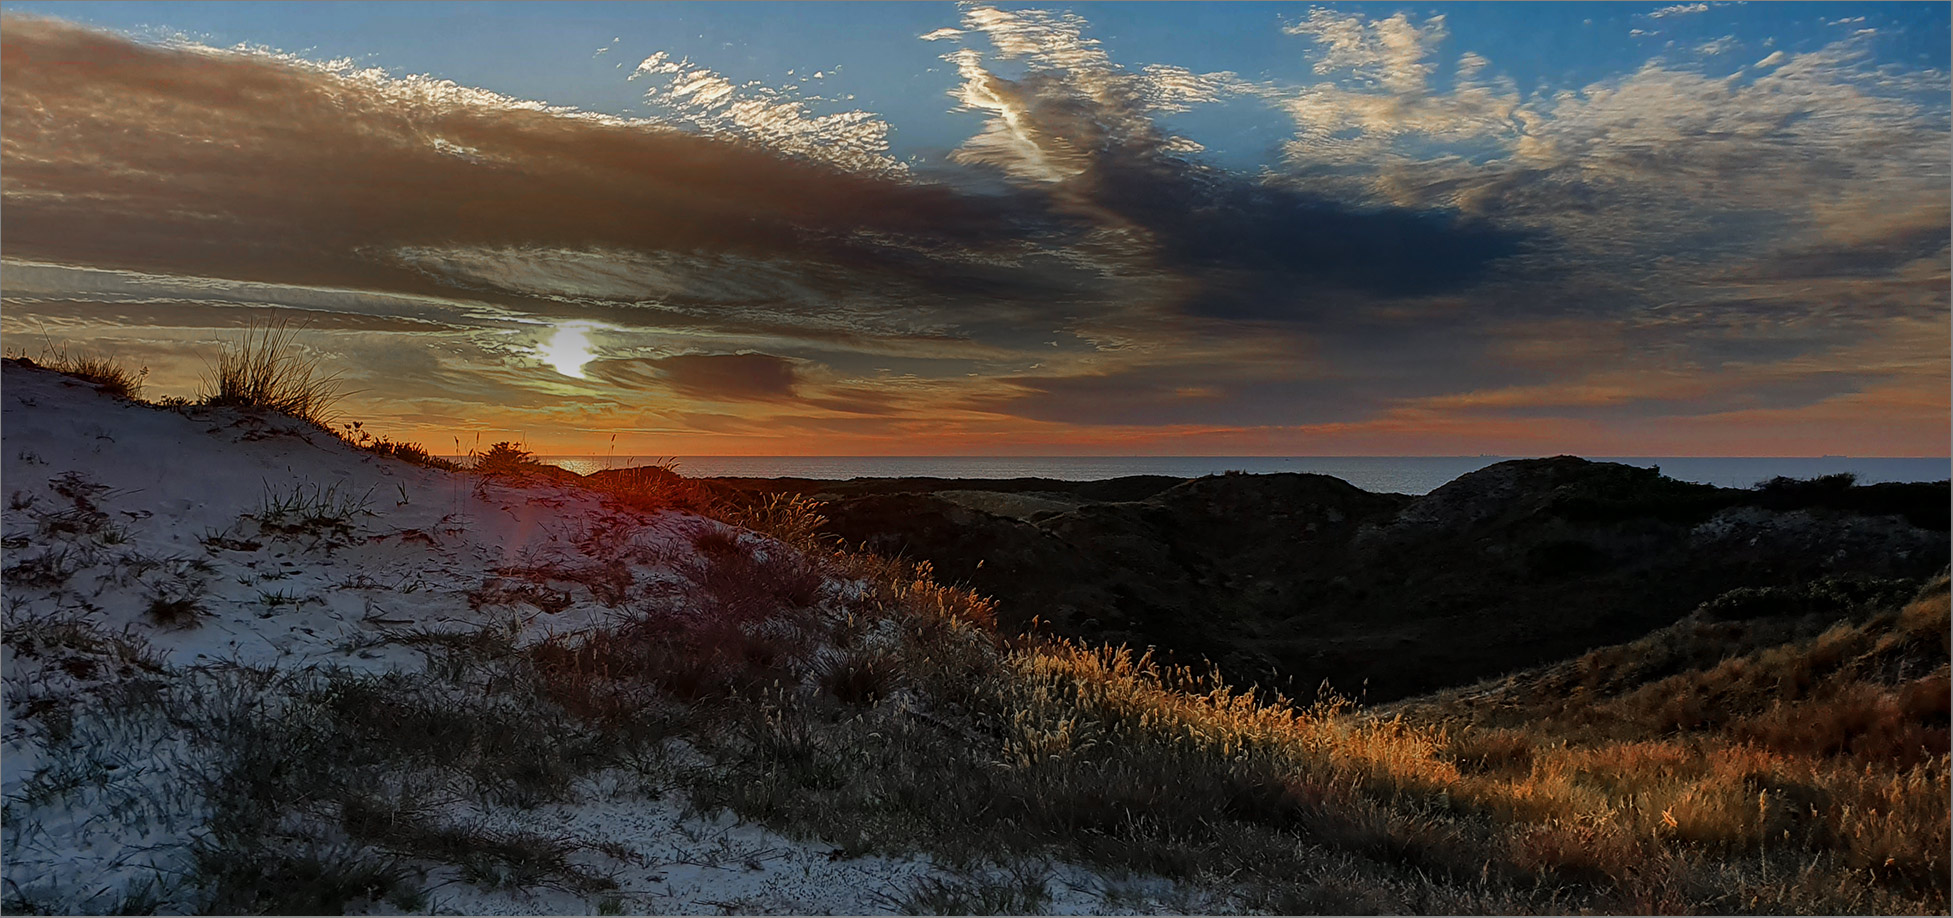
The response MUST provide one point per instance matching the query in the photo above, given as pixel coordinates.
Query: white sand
(157, 495)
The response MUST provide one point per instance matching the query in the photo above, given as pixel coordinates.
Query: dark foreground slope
(1294, 579)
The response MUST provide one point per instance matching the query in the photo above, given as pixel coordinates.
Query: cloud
(1433, 248)
(1085, 129)
(1679, 9)
(1662, 160)
(1381, 89)
(248, 166)
(709, 103)
(714, 377)
(1722, 45)
(1392, 52)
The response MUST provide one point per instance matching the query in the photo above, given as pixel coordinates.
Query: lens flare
(569, 349)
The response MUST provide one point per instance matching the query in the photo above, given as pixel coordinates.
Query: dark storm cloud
(719, 377)
(1257, 251)
(1085, 131)
(1876, 258)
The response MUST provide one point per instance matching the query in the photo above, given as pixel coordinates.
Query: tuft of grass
(859, 678)
(500, 591)
(48, 569)
(266, 368)
(174, 611)
(106, 372)
(75, 635)
(795, 519)
(1022, 892)
(252, 875)
(746, 583)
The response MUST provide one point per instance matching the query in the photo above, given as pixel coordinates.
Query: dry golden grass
(1844, 787)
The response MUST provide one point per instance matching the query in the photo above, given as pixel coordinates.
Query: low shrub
(311, 508)
(503, 458)
(859, 678)
(655, 487)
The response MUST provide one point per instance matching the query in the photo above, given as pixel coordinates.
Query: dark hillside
(1295, 579)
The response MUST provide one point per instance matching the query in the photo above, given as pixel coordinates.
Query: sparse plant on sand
(355, 432)
(327, 510)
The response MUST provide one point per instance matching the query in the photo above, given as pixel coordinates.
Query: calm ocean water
(1401, 474)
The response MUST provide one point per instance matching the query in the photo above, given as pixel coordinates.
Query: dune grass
(110, 374)
(265, 368)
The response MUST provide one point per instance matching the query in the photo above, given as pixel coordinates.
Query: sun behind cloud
(569, 349)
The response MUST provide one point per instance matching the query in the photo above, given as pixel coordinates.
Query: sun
(569, 349)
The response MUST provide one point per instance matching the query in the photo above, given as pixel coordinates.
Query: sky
(966, 229)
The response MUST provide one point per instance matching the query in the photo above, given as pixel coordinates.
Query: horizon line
(1948, 458)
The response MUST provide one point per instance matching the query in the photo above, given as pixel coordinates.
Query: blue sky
(1619, 229)
(870, 51)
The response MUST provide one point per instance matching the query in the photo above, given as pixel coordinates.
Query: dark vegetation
(1290, 580)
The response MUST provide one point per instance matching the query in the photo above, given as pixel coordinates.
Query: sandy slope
(115, 508)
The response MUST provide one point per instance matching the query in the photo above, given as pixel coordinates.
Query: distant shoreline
(1398, 474)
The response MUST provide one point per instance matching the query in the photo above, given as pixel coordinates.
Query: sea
(1398, 474)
